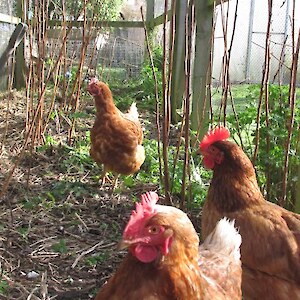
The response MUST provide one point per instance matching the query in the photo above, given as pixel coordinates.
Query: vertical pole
(150, 10)
(285, 39)
(178, 78)
(150, 5)
(286, 22)
(249, 44)
(204, 24)
(20, 59)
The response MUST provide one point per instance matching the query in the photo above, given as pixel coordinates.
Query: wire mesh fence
(122, 49)
(249, 40)
(110, 51)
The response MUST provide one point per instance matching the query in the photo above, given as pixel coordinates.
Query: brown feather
(116, 138)
(270, 234)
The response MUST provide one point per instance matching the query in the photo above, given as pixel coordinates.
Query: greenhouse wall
(248, 48)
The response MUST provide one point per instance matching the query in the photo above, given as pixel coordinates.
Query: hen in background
(164, 261)
(270, 250)
(116, 138)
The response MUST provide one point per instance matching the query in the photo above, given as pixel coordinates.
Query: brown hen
(270, 251)
(116, 138)
(164, 260)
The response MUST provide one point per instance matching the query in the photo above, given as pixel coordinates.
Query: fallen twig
(80, 256)
(82, 222)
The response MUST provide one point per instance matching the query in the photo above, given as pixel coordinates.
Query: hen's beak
(123, 244)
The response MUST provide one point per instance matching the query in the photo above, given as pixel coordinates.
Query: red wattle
(144, 253)
(208, 162)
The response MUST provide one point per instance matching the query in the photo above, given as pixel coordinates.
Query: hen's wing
(133, 115)
(220, 262)
(116, 140)
(270, 251)
(260, 285)
(270, 240)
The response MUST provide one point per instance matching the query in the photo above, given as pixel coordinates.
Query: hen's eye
(154, 229)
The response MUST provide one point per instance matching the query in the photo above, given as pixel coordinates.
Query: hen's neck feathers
(234, 185)
(183, 269)
(104, 101)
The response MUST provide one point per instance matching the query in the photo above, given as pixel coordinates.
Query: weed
(31, 203)
(270, 162)
(77, 158)
(3, 287)
(99, 258)
(24, 231)
(49, 141)
(196, 190)
(60, 247)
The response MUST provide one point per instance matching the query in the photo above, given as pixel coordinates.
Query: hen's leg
(115, 181)
(104, 177)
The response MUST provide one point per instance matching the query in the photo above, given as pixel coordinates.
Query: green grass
(3, 287)
(112, 75)
(76, 159)
(60, 247)
(97, 259)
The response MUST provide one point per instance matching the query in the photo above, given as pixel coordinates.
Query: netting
(248, 50)
(112, 51)
(121, 51)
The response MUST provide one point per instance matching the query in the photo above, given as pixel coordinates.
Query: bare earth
(58, 228)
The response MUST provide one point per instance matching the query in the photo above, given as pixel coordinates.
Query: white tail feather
(224, 239)
(133, 113)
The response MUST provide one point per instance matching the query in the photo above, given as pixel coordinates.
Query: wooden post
(178, 76)
(249, 43)
(20, 69)
(204, 21)
(150, 10)
(150, 23)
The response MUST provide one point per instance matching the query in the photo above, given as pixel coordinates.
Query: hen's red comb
(142, 211)
(214, 135)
